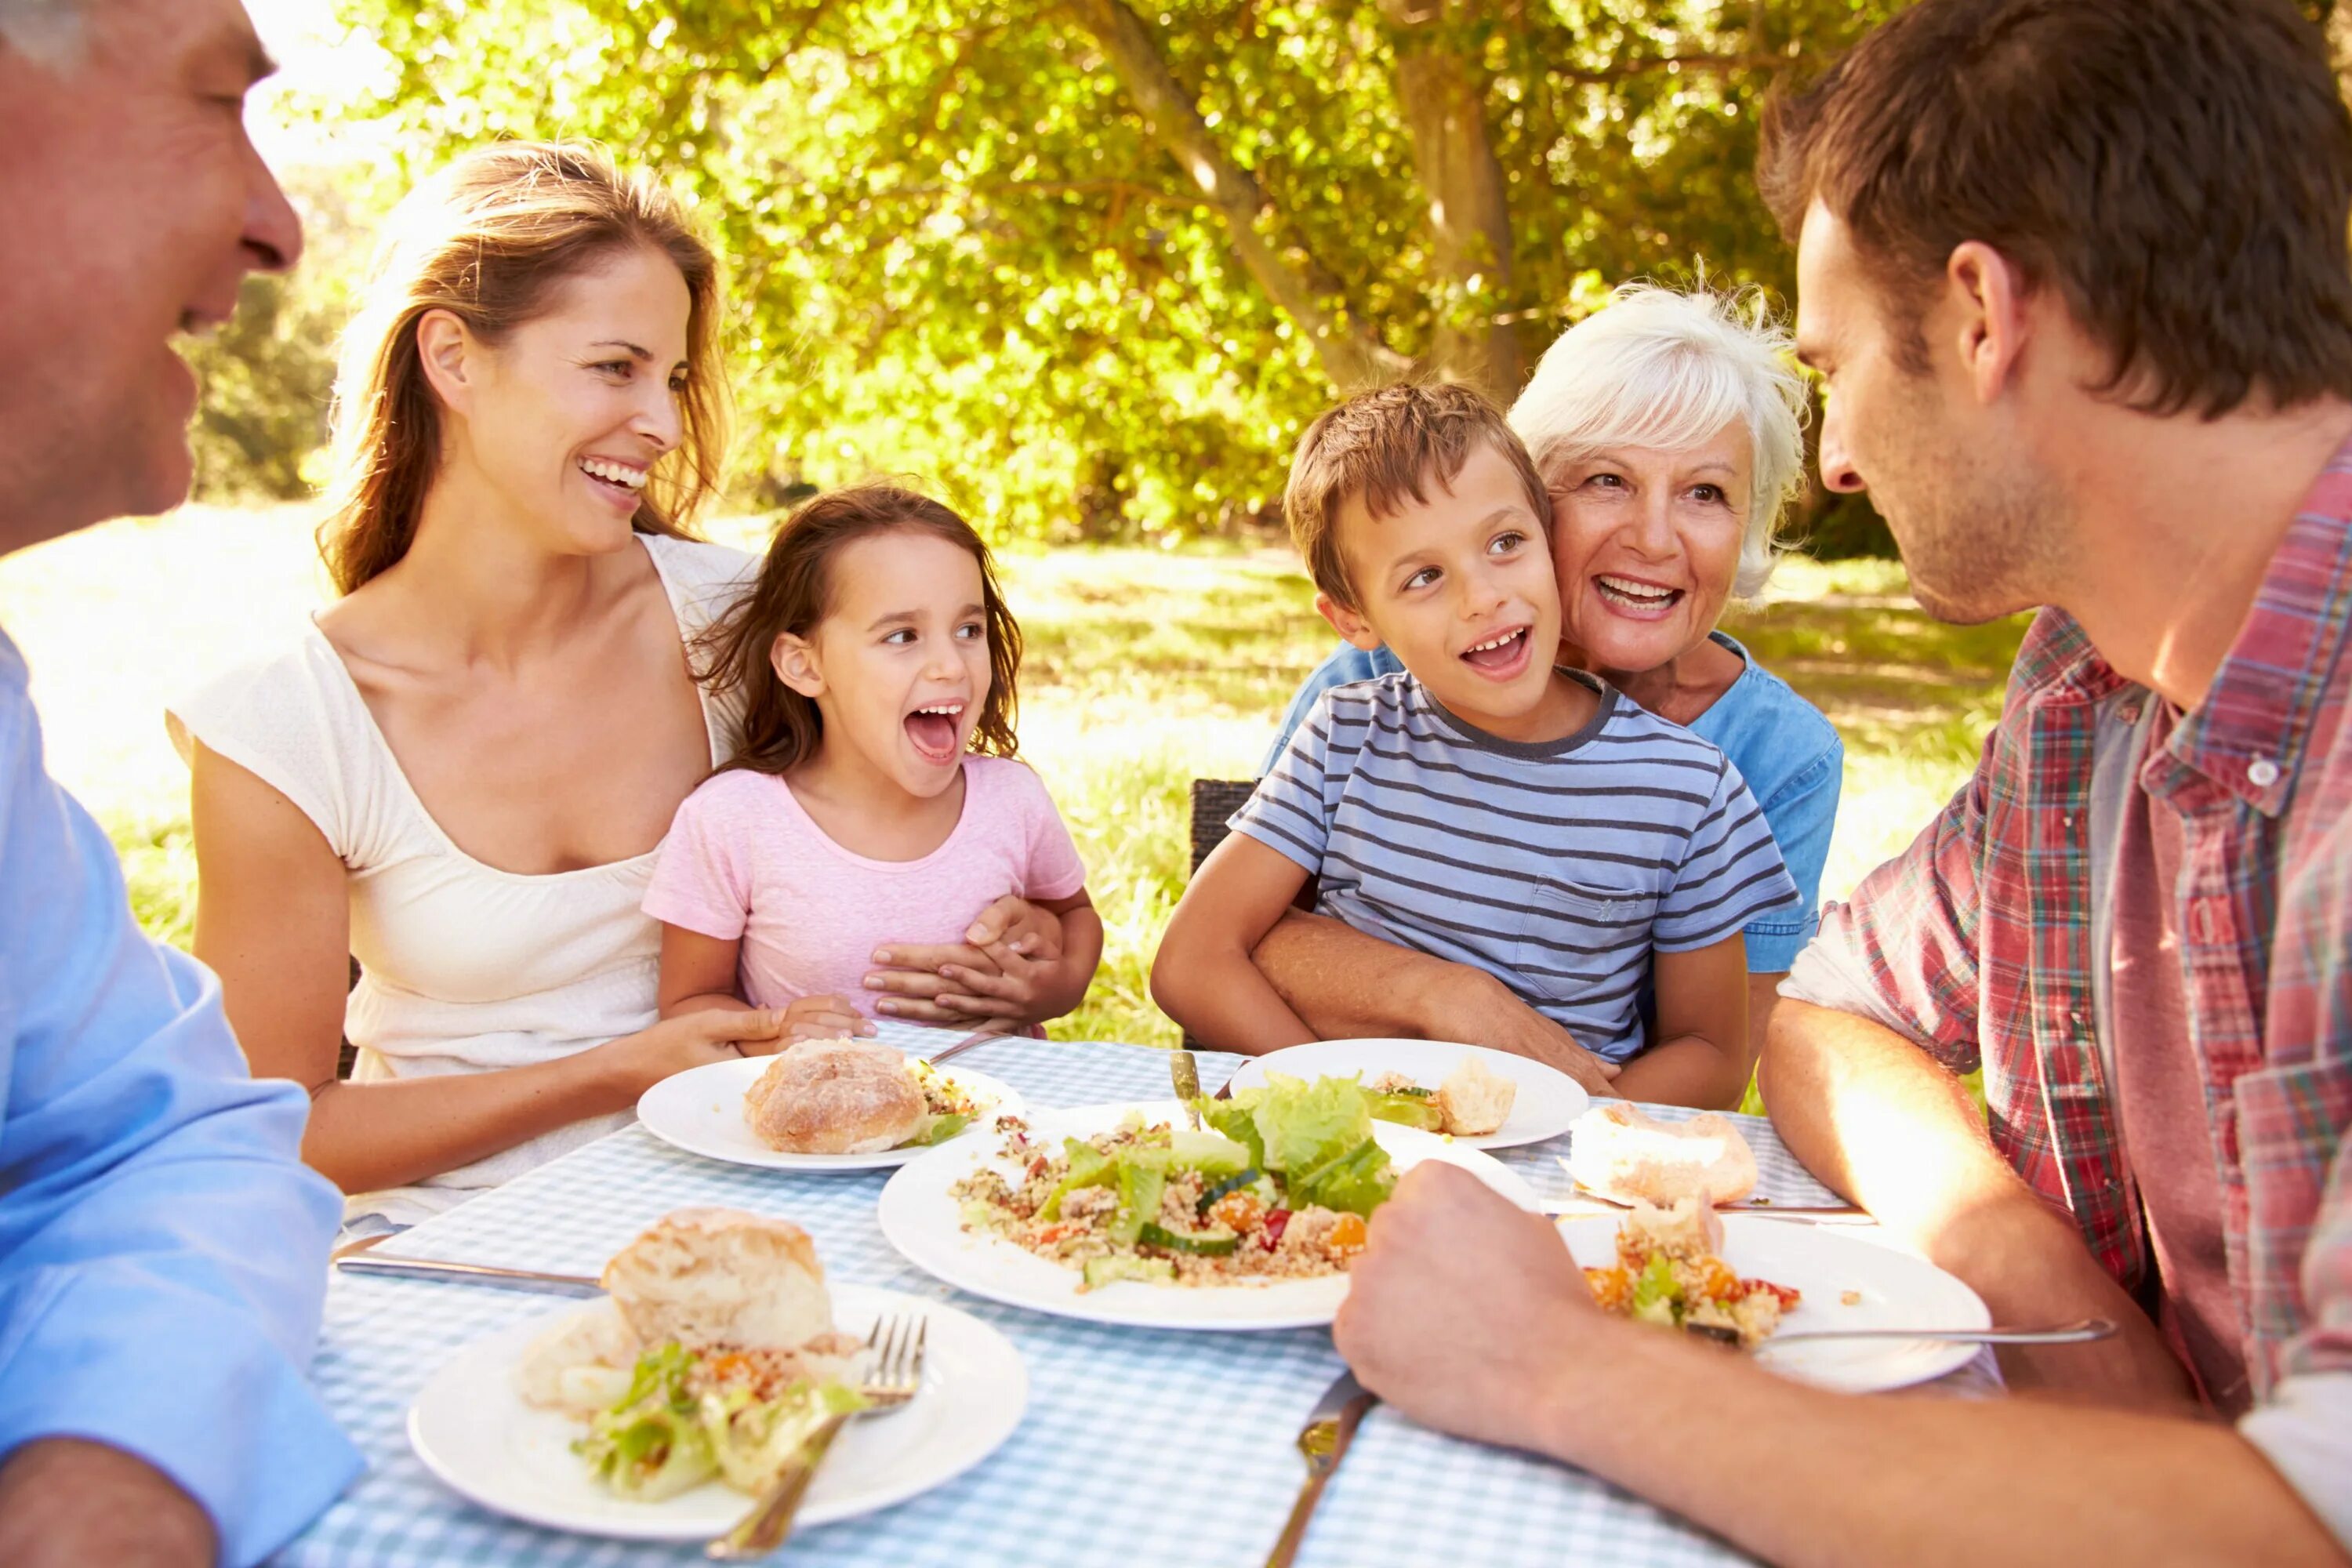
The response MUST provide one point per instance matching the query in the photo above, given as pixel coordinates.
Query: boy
(1483, 805)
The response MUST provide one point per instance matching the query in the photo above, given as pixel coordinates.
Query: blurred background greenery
(1083, 267)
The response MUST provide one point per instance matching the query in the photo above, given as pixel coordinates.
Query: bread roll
(708, 1277)
(582, 1367)
(1473, 1101)
(1619, 1152)
(834, 1097)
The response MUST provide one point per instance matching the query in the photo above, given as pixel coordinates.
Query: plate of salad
(1476, 1094)
(701, 1111)
(1127, 1214)
(668, 1452)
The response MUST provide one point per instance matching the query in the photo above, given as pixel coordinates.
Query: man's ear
(1987, 297)
(1350, 626)
(451, 358)
(795, 664)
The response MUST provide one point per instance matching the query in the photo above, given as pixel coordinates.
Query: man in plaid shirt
(2075, 272)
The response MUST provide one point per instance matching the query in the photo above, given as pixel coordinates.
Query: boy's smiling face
(1460, 587)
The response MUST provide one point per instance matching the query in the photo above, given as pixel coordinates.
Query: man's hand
(66, 1502)
(1479, 1010)
(995, 978)
(1463, 1307)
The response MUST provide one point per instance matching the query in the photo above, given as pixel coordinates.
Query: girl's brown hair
(489, 239)
(783, 729)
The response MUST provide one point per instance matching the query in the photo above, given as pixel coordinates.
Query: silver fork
(896, 1344)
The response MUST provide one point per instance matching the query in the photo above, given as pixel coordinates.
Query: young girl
(875, 797)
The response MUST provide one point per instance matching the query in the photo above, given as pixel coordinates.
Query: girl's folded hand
(822, 1018)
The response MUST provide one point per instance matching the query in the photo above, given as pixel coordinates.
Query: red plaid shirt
(1976, 942)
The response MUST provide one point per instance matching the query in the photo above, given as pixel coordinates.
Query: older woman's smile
(1636, 597)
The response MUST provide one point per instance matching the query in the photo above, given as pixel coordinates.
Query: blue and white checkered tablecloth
(1140, 1446)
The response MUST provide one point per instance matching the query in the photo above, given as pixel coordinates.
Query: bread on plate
(834, 1097)
(722, 1277)
(1621, 1153)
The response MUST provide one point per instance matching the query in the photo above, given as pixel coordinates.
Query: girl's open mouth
(934, 730)
(1500, 656)
(1633, 596)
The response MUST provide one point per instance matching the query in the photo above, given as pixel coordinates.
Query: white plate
(700, 1111)
(473, 1431)
(1898, 1291)
(1549, 1099)
(924, 1222)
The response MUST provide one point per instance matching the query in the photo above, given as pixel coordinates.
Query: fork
(896, 1344)
(977, 1037)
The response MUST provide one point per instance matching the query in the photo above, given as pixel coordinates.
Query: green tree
(268, 376)
(1091, 266)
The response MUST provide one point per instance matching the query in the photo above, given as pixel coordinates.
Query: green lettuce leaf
(1303, 1125)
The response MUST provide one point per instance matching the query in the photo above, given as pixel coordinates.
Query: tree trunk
(1443, 94)
(1349, 351)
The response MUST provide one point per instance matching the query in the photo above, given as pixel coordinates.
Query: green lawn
(1145, 669)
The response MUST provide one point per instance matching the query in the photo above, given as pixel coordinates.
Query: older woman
(1668, 428)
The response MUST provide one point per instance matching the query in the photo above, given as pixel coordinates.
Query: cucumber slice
(1100, 1272)
(1215, 1241)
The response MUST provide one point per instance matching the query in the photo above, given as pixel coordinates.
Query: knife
(473, 1274)
(1324, 1441)
(1185, 1074)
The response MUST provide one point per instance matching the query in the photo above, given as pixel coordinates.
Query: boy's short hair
(1383, 446)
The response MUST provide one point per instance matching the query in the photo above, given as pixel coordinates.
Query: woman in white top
(460, 777)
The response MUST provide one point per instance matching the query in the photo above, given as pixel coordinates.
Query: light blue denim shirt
(163, 1249)
(1789, 753)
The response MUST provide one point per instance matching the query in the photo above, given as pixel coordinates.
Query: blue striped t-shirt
(1556, 867)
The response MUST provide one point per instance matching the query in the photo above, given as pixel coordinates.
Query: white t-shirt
(464, 967)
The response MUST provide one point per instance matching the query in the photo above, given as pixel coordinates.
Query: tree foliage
(1090, 266)
(268, 376)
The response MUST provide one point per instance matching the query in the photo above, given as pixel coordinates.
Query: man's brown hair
(783, 729)
(1382, 447)
(2180, 170)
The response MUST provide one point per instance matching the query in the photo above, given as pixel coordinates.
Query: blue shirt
(1557, 867)
(1790, 755)
(163, 1249)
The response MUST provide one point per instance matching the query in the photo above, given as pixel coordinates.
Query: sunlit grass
(1145, 669)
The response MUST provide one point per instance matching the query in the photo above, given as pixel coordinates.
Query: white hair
(1661, 368)
(54, 33)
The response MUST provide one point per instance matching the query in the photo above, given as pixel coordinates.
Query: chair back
(1214, 801)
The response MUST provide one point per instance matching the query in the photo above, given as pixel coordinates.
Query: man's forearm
(1916, 1478)
(1878, 1120)
(1344, 984)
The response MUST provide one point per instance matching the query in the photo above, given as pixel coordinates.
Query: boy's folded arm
(1202, 977)
(1701, 1055)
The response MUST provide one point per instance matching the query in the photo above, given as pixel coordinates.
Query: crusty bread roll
(1473, 1101)
(581, 1366)
(708, 1277)
(1622, 1153)
(834, 1097)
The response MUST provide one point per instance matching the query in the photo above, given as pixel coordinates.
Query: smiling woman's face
(1647, 543)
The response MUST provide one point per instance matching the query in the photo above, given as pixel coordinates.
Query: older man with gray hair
(161, 1247)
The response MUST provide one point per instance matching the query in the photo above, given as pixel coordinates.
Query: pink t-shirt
(745, 860)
